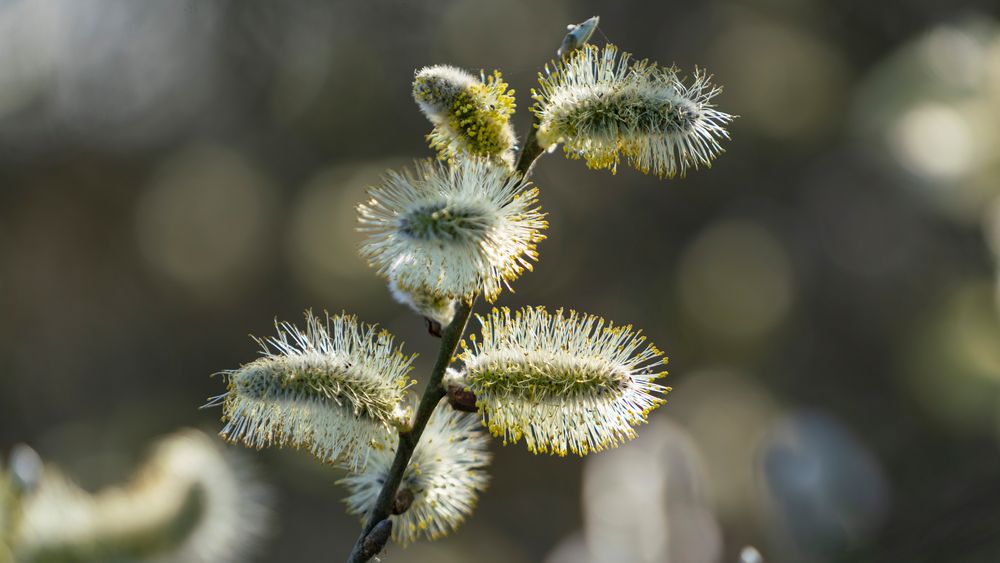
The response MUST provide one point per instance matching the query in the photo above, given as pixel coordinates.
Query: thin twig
(408, 440)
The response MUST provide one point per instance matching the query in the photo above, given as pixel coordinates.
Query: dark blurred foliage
(177, 174)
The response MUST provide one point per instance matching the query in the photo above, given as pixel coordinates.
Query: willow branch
(433, 394)
(374, 535)
(408, 440)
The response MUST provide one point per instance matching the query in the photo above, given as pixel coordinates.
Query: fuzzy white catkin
(603, 105)
(331, 389)
(564, 383)
(452, 231)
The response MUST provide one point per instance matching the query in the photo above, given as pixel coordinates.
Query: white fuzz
(445, 475)
(564, 383)
(453, 376)
(452, 230)
(600, 104)
(434, 307)
(190, 503)
(333, 389)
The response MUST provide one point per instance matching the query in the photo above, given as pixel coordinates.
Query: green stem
(530, 152)
(408, 440)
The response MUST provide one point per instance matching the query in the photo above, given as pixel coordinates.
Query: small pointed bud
(434, 328)
(459, 396)
(578, 36)
(377, 538)
(404, 498)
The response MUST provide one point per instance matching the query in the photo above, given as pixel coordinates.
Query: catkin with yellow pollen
(602, 105)
(471, 116)
(563, 383)
(332, 389)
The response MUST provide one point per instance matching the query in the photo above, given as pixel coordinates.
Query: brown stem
(462, 399)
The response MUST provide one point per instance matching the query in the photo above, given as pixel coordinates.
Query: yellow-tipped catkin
(564, 383)
(332, 389)
(471, 116)
(190, 503)
(452, 231)
(602, 105)
(445, 476)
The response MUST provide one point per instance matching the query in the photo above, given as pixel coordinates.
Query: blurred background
(174, 175)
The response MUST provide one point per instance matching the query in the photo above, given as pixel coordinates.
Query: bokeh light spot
(204, 219)
(782, 81)
(934, 141)
(323, 239)
(826, 491)
(726, 413)
(736, 280)
(659, 512)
